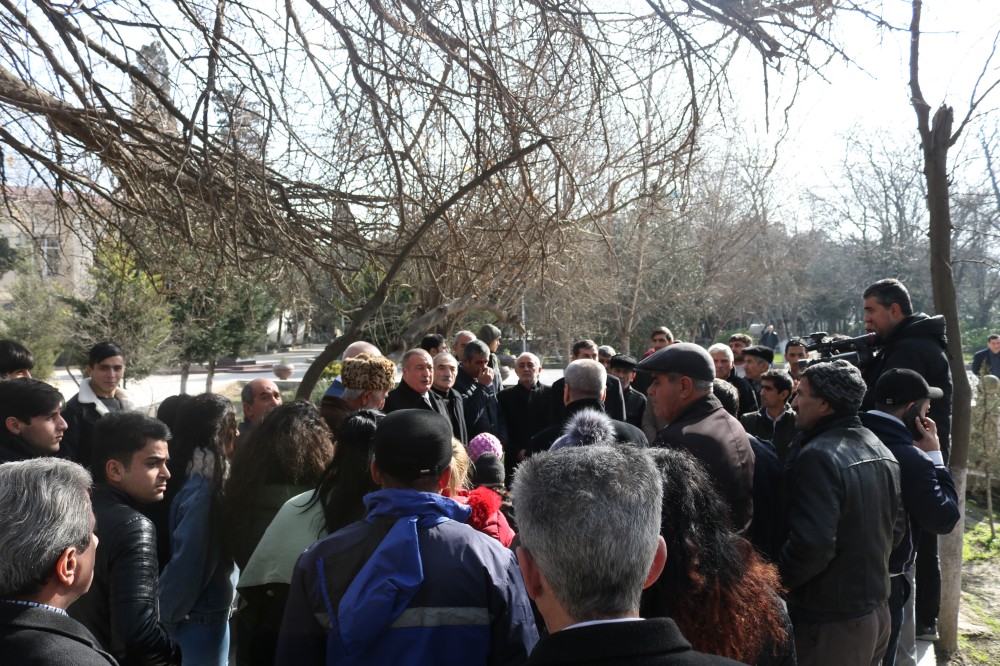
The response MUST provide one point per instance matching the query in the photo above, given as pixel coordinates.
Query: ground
(979, 618)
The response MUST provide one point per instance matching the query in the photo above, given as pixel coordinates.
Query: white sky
(872, 93)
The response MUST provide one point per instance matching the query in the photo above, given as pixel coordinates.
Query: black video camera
(830, 348)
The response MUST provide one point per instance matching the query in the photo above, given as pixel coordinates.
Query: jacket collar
(580, 405)
(830, 422)
(701, 407)
(87, 396)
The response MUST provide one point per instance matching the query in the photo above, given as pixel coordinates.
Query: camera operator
(913, 342)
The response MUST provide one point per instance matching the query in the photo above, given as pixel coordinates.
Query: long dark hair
(348, 477)
(715, 586)
(206, 422)
(292, 445)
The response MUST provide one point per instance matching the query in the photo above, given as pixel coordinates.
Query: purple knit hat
(482, 443)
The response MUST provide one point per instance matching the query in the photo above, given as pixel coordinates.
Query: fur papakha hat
(366, 372)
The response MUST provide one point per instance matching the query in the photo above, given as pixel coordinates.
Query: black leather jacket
(844, 517)
(121, 609)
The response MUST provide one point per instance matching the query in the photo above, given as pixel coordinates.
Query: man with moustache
(445, 374)
(524, 408)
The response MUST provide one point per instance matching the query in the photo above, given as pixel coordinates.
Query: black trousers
(927, 568)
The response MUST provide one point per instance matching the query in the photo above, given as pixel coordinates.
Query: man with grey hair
(844, 515)
(445, 374)
(414, 389)
(588, 550)
(462, 338)
(525, 409)
(614, 398)
(604, 354)
(47, 552)
(722, 358)
(474, 381)
(681, 395)
(584, 387)
(259, 397)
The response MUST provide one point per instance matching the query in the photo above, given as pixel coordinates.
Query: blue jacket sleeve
(514, 633)
(928, 492)
(301, 639)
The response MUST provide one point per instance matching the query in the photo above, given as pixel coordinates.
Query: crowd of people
(689, 506)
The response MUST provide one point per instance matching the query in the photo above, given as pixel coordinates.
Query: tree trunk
(210, 376)
(185, 373)
(936, 138)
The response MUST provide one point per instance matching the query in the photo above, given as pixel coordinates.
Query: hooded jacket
(918, 343)
(410, 584)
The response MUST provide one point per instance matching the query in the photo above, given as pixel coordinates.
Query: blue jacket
(199, 583)
(410, 584)
(929, 496)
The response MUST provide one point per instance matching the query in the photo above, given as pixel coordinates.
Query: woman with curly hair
(197, 586)
(335, 503)
(719, 591)
(283, 457)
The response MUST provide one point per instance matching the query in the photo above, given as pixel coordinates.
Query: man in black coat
(988, 358)
(722, 359)
(902, 399)
(414, 391)
(31, 422)
(623, 368)
(587, 580)
(614, 399)
(445, 373)
(524, 407)
(681, 394)
(45, 509)
(584, 388)
(121, 609)
(915, 342)
(475, 383)
(775, 420)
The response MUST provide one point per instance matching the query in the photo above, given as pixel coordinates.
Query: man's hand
(485, 377)
(929, 442)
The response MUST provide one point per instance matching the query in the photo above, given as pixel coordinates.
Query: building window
(48, 248)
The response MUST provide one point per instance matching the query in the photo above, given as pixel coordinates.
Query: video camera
(830, 348)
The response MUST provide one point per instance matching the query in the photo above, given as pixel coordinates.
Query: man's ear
(114, 470)
(13, 424)
(565, 394)
(445, 478)
(530, 572)
(67, 566)
(659, 561)
(604, 393)
(376, 473)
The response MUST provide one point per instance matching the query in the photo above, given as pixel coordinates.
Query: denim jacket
(199, 583)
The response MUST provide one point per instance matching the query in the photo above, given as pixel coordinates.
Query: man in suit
(414, 391)
(588, 550)
(614, 399)
(45, 510)
(988, 358)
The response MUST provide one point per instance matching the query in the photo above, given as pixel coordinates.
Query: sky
(871, 94)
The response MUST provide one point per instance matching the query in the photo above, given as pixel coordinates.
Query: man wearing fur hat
(411, 584)
(367, 380)
(843, 503)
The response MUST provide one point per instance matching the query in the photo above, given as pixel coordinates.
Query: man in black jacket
(902, 399)
(614, 399)
(47, 551)
(988, 358)
(843, 505)
(525, 410)
(681, 395)
(916, 342)
(130, 468)
(475, 383)
(584, 388)
(31, 422)
(445, 373)
(775, 420)
(622, 367)
(414, 389)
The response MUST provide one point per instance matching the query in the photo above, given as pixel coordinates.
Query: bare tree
(937, 135)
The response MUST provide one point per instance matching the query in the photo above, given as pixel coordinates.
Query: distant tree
(37, 317)
(8, 256)
(126, 307)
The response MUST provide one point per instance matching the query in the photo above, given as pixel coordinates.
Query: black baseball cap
(413, 443)
(900, 386)
(760, 351)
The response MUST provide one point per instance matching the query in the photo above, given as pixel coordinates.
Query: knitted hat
(838, 383)
(366, 372)
(489, 333)
(488, 471)
(413, 443)
(482, 443)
